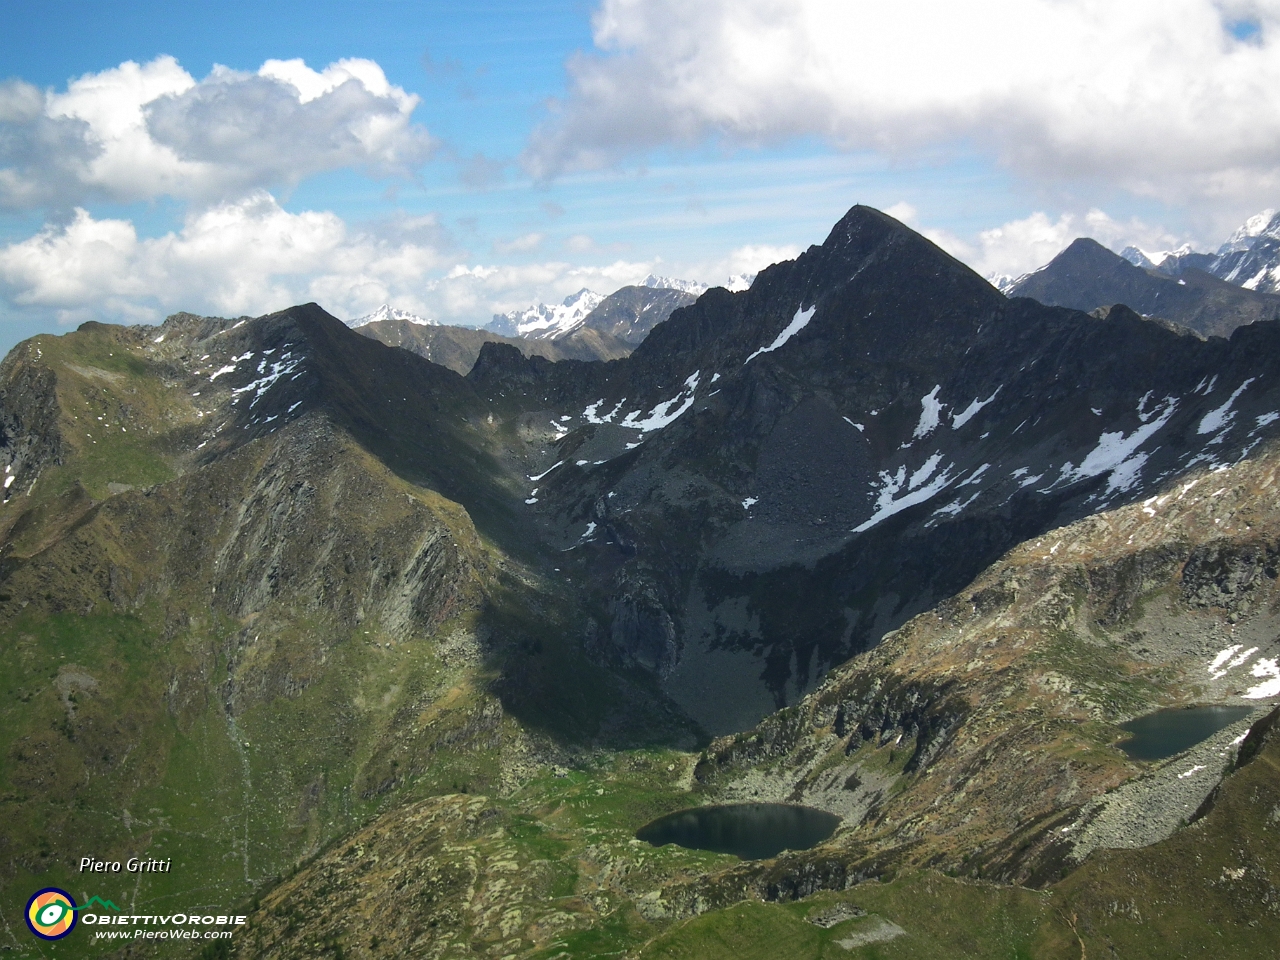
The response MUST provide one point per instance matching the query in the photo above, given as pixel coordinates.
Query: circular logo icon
(51, 913)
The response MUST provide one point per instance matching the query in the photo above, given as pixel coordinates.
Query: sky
(460, 160)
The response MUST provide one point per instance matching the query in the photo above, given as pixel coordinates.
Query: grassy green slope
(228, 660)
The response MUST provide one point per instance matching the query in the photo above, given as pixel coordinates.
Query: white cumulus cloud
(136, 132)
(248, 256)
(1173, 98)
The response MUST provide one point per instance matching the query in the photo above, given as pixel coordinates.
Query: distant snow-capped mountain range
(548, 321)
(1249, 258)
(388, 312)
(544, 321)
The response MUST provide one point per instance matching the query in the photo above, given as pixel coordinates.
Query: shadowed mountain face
(777, 477)
(1087, 276)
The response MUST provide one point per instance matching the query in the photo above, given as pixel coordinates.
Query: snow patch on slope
(892, 484)
(667, 411)
(1221, 417)
(958, 420)
(930, 412)
(1118, 454)
(1263, 667)
(798, 323)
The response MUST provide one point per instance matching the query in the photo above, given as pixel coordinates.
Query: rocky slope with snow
(776, 478)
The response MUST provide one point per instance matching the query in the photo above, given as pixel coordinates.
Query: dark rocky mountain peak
(776, 477)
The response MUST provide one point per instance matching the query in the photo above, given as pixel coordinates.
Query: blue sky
(470, 158)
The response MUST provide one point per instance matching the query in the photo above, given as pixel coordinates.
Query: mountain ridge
(878, 467)
(298, 600)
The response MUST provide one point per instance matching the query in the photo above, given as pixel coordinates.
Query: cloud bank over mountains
(221, 146)
(251, 256)
(1164, 98)
(1026, 244)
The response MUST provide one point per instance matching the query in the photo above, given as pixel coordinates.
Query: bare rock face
(631, 312)
(642, 631)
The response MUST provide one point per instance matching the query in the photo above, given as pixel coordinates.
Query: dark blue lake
(1168, 732)
(752, 831)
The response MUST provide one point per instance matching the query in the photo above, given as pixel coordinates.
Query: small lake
(752, 831)
(1167, 732)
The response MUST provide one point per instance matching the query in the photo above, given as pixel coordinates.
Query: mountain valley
(393, 637)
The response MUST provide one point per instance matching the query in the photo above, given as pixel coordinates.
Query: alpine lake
(1168, 732)
(751, 831)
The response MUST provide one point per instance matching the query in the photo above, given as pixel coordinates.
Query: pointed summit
(1087, 275)
(1261, 226)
